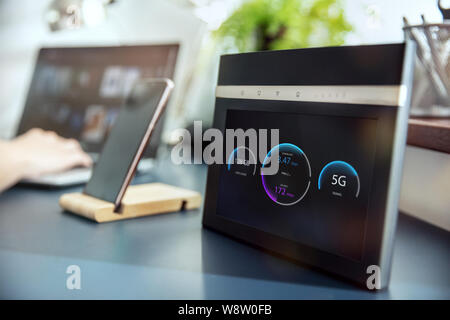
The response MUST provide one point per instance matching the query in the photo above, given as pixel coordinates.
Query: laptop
(78, 91)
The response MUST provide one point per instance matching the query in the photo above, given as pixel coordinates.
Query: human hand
(40, 152)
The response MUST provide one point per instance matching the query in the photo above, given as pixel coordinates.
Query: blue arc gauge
(339, 179)
(292, 180)
(242, 162)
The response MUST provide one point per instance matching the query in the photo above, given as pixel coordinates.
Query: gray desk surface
(172, 257)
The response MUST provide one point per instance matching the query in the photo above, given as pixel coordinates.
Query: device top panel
(346, 65)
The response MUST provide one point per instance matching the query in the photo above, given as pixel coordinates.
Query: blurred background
(202, 29)
(205, 29)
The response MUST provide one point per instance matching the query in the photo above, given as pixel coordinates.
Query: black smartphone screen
(133, 126)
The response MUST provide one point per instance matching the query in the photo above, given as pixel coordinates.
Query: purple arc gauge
(291, 183)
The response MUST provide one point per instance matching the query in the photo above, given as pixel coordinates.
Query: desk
(172, 257)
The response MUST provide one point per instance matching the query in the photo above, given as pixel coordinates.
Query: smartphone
(128, 139)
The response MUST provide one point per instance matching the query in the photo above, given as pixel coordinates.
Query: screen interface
(319, 195)
(124, 140)
(77, 92)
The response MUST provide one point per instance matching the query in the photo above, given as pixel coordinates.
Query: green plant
(284, 24)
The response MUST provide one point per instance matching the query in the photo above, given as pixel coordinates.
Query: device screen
(124, 140)
(319, 196)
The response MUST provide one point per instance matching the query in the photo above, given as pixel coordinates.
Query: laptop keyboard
(71, 177)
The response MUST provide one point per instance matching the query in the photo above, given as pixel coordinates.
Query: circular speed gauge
(340, 179)
(242, 162)
(292, 180)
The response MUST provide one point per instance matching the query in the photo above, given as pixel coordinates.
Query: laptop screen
(77, 92)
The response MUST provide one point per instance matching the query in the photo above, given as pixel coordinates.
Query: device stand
(138, 201)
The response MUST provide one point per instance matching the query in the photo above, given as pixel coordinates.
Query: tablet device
(342, 118)
(127, 140)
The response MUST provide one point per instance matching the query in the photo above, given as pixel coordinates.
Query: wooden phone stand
(138, 201)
